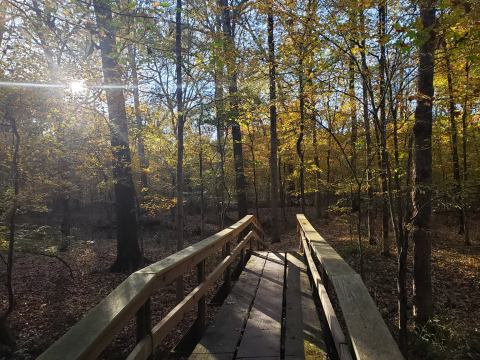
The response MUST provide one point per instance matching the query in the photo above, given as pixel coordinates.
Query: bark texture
(422, 169)
(273, 128)
(128, 251)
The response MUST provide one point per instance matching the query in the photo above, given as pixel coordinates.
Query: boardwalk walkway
(270, 313)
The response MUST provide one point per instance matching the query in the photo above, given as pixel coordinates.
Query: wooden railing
(92, 334)
(368, 334)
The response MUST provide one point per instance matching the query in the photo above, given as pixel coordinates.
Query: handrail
(368, 334)
(94, 332)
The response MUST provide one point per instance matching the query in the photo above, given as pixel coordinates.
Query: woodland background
(229, 107)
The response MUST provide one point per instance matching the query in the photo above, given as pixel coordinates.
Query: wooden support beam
(201, 306)
(167, 324)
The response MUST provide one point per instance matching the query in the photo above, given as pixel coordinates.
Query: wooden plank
(303, 332)
(262, 335)
(171, 267)
(221, 337)
(161, 330)
(332, 320)
(88, 338)
(94, 332)
(368, 333)
(332, 263)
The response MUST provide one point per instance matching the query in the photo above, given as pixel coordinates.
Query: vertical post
(299, 236)
(227, 276)
(201, 307)
(144, 321)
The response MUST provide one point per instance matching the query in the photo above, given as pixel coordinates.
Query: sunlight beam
(75, 86)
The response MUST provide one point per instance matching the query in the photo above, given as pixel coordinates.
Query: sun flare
(77, 87)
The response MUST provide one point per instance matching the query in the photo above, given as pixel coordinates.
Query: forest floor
(50, 300)
(454, 332)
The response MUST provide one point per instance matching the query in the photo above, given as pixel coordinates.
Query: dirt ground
(50, 300)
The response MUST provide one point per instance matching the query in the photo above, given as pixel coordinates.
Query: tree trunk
(180, 125)
(422, 192)
(281, 180)
(354, 132)
(3, 19)
(368, 139)
(220, 123)
(7, 337)
(202, 186)
(254, 169)
(138, 118)
(400, 229)
(230, 54)
(273, 129)
(128, 251)
(466, 233)
(402, 260)
(329, 169)
(454, 141)
(9, 117)
(382, 14)
(299, 145)
(316, 161)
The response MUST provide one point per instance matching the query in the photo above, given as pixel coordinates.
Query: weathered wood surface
(262, 335)
(335, 329)
(93, 333)
(168, 323)
(369, 335)
(332, 263)
(222, 336)
(303, 332)
(367, 332)
(249, 325)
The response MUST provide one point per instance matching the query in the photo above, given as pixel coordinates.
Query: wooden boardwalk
(269, 314)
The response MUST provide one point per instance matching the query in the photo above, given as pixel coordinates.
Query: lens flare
(77, 87)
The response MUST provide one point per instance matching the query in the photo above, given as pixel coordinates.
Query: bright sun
(77, 86)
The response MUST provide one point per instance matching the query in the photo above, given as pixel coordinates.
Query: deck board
(303, 333)
(222, 336)
(249, 324)
(263, 331)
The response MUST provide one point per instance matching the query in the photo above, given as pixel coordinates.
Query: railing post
(201, 307)
(144, 321)
(227, 276)
(242, 257)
